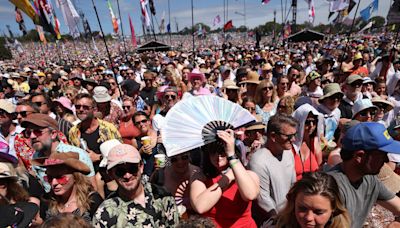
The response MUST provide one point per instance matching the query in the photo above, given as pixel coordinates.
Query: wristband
(233, 163)
(232, 157)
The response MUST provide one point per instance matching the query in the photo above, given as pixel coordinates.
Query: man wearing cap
(278, 69)
(136, 203)
(43, 133)
(352, 92)
(8, 129)
(110, 111)
(170, 98)
(364, 151)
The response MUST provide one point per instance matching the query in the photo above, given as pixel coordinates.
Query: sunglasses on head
(84, 107)
(121, 170)
(173, 97)
(365, 113)
(60, 179)
(182, 158)
(141, 121)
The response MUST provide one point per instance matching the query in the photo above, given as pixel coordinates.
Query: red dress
(309, 165)
(128, 131)
(231, 210)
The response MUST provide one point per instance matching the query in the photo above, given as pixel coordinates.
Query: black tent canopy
(306, 35)
(153, 46)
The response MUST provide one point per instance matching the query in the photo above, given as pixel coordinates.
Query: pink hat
(123, 153)
(66, 103)
(196, 74)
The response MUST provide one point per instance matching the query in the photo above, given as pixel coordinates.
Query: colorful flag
(217, 20)
(311, 11)
(27, 7)
(338, 5)
(133, 36)
(287, 30)
(114, 20)
(70, 15)
(145, 15)
(168, 27)
(265, 1)
(20, 20)
(228, 25)
(366, 13)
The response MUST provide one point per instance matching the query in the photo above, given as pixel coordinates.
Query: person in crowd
(127, 128)
(285, 106)
(151, 205)
(254, 139)
(77, 79)
(169, 99)
(294, 77)
(249, 85)
(352, 92)
(89, 84)
(148, 93)
(313, 86)
(197, 80)
(266, 72)
(115, 94)
(131, 89)
(275, 167)
(224, 183)
(110, 111)
(71, 93)
(282, 86)
(11, 191)
(250, 105)
(364, 110)
(71, 191)
(42, 100)
(384, 113)
(64, 109)
(314, 201)
(307, 146)
(364, 151)
(230, 91)
(266, 99)
(380, 89)
(147, 148)
(368, 88)
(91, 131)
(43, 133)
(66, 220)
(8, 129)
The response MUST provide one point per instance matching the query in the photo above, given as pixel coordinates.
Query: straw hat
(252, 78)
(389, 178)
(266, 67)
(6, 171)
(330, 90)
(229, 84)
(378, 99)
(258, 125)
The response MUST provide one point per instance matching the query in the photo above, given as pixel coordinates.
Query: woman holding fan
(224, 189)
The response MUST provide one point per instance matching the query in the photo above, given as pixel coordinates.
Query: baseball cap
(40, 120)
(123, 153)
(353, 78)
(105, 149)
(370, 136)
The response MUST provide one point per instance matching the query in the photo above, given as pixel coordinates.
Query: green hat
(330, 90)
(312, 76)
(353, 78)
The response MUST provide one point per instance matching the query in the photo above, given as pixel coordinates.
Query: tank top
(309, 165)
(231, 210)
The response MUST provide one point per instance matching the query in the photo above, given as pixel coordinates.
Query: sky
(204, 11)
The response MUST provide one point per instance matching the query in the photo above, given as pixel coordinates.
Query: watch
(232, 157)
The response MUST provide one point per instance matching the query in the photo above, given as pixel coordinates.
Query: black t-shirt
(346, 110)
(149, 96)
(91, 140)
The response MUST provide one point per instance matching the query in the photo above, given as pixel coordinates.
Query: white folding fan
(194, 121)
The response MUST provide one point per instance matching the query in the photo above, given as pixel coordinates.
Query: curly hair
(315, 183)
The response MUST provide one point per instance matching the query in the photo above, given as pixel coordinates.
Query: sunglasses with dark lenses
(23, 113)
(336, 97)
(60, 179)
(85, 107)
(356, 84)
(364, 113)
(148, 80)
(289, 137)
(250, 109)
(39, 103)
(142, 121)
(309, 121)
(268, 88)
(182, 158)
(126, 107)
(284, 83)
(36, 132)
(173, 97)
(121, 170)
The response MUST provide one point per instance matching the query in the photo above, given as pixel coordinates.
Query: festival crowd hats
(40, 120)
(101, 95)
(368, 80)
(105, 149)
(229, 84)
(312, 76)
(378, 100)
(19, 214)
(196, 74)
(7, 106)
(353, 78)
(6, 172)
(330, 90)
(65, 102)
(252, 78)
(68, 162)
(362, 104)
(6, 154)
(121, 154)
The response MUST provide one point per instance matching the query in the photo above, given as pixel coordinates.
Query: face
(268, 90)
(381, 89)
(41, 102)
(149, 82)
(333, 101)
(250, 106)
(312, 210)
(5, 117)
(218, 160)
(366, 115)
(41, 138)
(316, 82)
(294, 75)
(310, 124)
(113, 84)
(70, 94)
(180, 163)
(61, 184)
(285, 137)
(142, 123)
(372, 162)
(128, 107)
(170, 99)
(84, 109)
(77, 82)
(368, 87)
(381, 111)
(283, 85)
(196, 82)
(354, 88)
(127, 176)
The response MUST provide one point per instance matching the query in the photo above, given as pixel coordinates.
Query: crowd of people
(81, 140)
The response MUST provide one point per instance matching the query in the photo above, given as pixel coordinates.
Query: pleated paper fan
(194, 121)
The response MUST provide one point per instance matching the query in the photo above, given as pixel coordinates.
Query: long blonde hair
(83, 190)
(259, 95)
(315, 183)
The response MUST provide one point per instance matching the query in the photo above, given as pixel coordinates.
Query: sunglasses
(173, 97)
(309, 121)
(60, 179)
(289, 137)
(250, 109)
(141, 122)
(23, 113)
(364, 113)
(126, 107)
(39, 103)
(37, 132)
(284, 83)
(295, 75)
(356, 85)
(148, 80)
(268, 88)
(84, 107)
(182, 158)
(120, 171)
(113, 83)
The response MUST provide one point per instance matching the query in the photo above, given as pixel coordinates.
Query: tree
(378, 22)
(5, 53)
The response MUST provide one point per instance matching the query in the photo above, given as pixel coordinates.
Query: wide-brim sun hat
(330, 90)
(361, 105)
(378, 99)
(229, 84)
(252, 78)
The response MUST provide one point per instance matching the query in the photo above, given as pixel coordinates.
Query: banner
(70, 15)
(133, 36)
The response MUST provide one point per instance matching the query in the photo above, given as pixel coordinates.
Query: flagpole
(354, 19)
(192, 29)
(169, 22)
(122, 28)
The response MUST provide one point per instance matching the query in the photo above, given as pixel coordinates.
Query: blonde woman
(266, 100)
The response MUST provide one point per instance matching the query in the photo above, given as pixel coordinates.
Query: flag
(20, 20)
(199, 30)
(94, 46)
(145, 15)
(133, 36)
(393, 16)
(177, 28)
(375, 5)
(311, 11)
(162, 24)
(28, 9)
(86, 27)
(347, 11)
(287, 30)
(338, 5)
(152, 8)
(46, 16)
(265, 1)
(70, 15)
(368, 26)
(217, 20)
(42, 38)
(366, 13)
(168, 27)
(114, 20)
(228, 25)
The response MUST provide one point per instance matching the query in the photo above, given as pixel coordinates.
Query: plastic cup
(146, 140)
(160, 160)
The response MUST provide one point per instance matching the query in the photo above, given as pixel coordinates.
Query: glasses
(284, 83)
(365, 113)
(120, 171)
(309, 121)
(356, 84)
(84, 107)
(60, 179)
(141, 122)
(126, 107)
(289, 137)
(173, 97)
(250, 109)
(23, 113)
(113, 83)
(37, 132)
(268, 88)
(69, 94)
(182, 158)
(39, 103)
(295, 75)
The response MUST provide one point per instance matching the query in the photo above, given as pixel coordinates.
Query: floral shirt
(115, 114)
(160, 210)
(107, 131)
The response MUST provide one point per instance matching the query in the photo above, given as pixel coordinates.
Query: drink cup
(146, 140)
(159, 160)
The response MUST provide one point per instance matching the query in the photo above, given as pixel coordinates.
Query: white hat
(362, 104)
(367, 80)
(7, 106)
(105, 148)
(100, 94)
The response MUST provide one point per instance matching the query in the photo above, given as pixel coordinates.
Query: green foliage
(5, 53)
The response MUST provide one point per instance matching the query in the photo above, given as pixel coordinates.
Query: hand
(93, 156)
(229, 139)
(242, 90)
(255, 145)
(147, 149)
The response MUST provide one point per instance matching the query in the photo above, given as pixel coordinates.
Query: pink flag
(217, 20)
(133, 37)
(264, 1)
